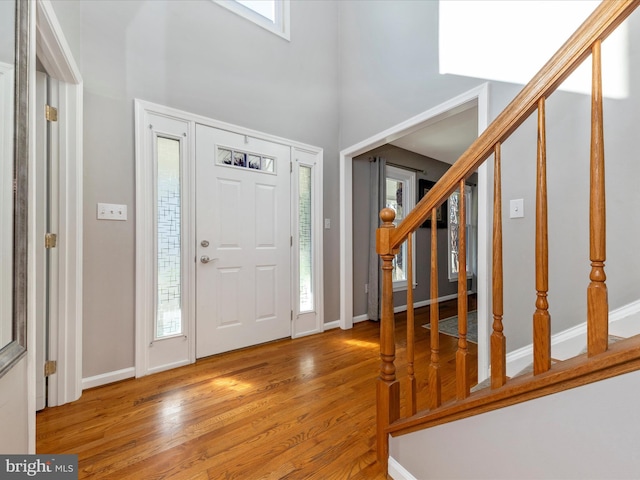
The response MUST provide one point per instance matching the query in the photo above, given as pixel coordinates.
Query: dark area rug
(449, 326)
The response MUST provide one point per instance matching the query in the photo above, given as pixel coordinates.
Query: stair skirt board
(398, 472)
(571, 342)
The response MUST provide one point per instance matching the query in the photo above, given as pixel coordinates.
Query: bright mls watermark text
(52, 467)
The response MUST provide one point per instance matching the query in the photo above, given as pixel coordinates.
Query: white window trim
(280, 27)
(308, 322)
(409, 198)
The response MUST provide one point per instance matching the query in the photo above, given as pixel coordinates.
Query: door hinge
(50, 240)
(290, 167)
(291, 241)
(292, 315)
(50, 367)
(51, 113)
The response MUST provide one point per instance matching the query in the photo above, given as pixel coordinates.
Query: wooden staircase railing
(584, 42)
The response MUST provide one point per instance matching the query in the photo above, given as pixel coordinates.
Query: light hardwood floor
(291, 409)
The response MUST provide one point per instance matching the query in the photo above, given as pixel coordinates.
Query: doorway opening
(445, 119)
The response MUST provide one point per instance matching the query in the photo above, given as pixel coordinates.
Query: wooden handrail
(606, 17)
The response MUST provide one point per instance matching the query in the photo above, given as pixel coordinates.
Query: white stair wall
(585, 433)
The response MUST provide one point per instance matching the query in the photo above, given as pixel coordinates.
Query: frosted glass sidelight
(168, 239)
(304, 235)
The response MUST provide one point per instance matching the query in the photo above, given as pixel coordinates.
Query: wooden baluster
(462, 354)
(597, 302)
(541, 317)
(388, 388)
(411, 397)
(435, 383)
(498, 341)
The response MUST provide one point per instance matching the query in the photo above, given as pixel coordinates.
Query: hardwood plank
(290, 409)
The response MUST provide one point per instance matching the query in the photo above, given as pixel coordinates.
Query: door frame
(145, 290)
(479, 94)
(65, 342)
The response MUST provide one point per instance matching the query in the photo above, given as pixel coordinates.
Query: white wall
(588, 432)
(201, 58)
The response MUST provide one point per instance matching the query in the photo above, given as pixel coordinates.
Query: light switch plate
(516, 208)
(112, 211)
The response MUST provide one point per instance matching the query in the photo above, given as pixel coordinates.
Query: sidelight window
(168, 239)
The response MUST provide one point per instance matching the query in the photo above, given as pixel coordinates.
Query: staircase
(397, 398)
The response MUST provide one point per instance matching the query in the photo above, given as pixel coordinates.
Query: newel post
(388, 388)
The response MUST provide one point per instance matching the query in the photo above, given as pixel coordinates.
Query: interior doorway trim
(480, 95)
(66, 328)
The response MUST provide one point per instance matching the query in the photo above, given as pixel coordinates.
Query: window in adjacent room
(401, 197)
(453, 226)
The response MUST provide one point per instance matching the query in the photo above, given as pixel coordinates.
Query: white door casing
(155, 354)
(307, 323)
(65, 344)
(243, 241)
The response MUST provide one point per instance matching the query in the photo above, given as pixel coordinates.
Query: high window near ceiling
(272, 15)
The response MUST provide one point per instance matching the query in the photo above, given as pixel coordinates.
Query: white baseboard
(332, 325)
(361, 318)
(109, 377)
(569, 342)
(403, 308)
(398, 472)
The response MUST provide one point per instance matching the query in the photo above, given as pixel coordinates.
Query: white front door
(243, 292)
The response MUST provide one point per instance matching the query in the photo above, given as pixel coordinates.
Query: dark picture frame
(441, 213)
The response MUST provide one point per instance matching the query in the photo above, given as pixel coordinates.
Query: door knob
(206, 259)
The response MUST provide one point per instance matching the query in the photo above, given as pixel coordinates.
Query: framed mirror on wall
(14, 155)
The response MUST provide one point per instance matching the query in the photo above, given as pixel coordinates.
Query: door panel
(243, 292)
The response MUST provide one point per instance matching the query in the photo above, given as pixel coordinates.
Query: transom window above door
(237, 158)
(272, 15)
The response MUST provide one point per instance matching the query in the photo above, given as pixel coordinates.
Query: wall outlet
(112, 211)
(327, 223)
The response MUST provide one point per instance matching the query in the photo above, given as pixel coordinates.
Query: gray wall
(434, 170)
(201, 58)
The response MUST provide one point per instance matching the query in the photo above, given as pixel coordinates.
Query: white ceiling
(446, 138)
